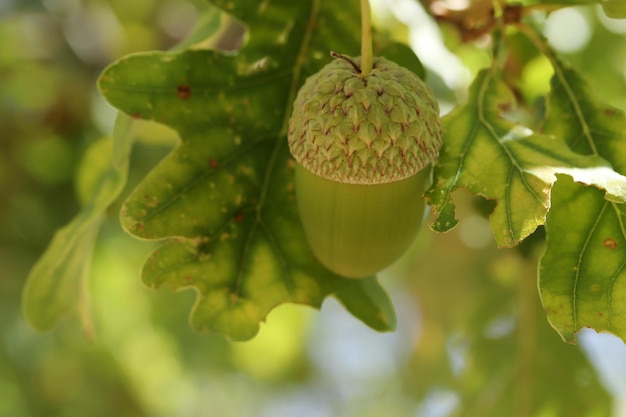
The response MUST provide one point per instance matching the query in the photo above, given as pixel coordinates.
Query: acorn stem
(348, 60)
(366, 38)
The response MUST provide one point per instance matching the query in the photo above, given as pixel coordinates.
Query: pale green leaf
(56, 283)
(210, 30)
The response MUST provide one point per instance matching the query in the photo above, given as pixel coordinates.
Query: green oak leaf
(225, 196)
(56, 284)
(582, 279)
(495, 158)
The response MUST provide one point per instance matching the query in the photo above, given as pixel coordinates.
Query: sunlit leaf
(582, 276)
(55, 284)
(500, 160)
(226, 193)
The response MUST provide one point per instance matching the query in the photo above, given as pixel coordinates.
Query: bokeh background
(472, 339)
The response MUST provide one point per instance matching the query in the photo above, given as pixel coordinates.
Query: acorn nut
(362, 146)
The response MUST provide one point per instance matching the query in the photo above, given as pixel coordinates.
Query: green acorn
(363, 144)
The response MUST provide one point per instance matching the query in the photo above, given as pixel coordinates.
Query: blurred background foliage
(472, 338)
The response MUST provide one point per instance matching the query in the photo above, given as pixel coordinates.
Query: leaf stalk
(366, 38)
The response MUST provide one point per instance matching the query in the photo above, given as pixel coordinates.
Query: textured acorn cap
(365, 130)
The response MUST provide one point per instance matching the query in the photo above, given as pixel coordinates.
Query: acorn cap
(364, 130)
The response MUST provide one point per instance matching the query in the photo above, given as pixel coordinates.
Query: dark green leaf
(364, 299)
(225, 194)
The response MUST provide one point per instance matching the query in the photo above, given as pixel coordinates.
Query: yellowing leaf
(504, 161)
(225, 196)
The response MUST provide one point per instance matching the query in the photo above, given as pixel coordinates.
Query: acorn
(363, 144)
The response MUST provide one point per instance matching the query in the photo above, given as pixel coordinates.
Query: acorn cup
(363, 144)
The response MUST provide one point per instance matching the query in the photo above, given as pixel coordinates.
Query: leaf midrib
(484, 120)
(295, 82)
(232, 157)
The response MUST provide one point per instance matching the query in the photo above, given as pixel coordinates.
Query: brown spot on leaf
(213, 163)
(610, 243)
(151, 201)
(595, 288)
(184, 91)
(239, 217)
(609, 112)
(136, 115)
(137, 226)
